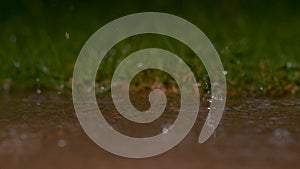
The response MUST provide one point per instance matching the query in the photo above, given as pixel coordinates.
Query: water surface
(42, 131)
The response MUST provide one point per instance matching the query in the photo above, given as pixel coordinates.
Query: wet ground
(42, 131)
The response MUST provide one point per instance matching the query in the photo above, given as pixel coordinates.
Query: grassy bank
(258, 43)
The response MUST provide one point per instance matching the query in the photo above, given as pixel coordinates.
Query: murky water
(42, 131)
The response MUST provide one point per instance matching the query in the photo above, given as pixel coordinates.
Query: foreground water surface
(42, 131)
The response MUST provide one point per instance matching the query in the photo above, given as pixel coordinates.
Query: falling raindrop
(45, 69)
(165, 130)
(16, 64)
(61, 143)
(62, 86)
(261, 88)
(140, 65)
(23, 136)
(225, 72)
(67, 35)
(289, 65)
(7, 84)
(38, 91)
(126, 49)
(281, 137)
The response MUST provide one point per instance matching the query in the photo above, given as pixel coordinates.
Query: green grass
(258, 44)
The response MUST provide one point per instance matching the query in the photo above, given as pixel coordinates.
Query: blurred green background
(258, 43)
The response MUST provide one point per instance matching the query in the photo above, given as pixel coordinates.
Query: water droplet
(261, 88)
(225, 72)
(126, 49)
(38, 91)
(281, 137)
(289, 65)
(16, 63)
(61, 143)
(7, 84)
(139, 65)
(165, 130)
(37, 79)
(102, 88)
(23, 136)
(67, 35)
(45, 69)
(62, 86)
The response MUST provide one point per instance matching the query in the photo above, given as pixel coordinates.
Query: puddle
(42, 131)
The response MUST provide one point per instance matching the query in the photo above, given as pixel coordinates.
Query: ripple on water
(251, 130)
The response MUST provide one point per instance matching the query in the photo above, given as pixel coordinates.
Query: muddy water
(42, 131)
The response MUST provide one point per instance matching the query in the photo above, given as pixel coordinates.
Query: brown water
(42, 131)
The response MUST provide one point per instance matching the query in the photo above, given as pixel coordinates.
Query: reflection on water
(42, 131)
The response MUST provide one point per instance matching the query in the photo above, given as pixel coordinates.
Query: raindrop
(140, 65)
(23, 136)
(67, 35)
(37, 79)
(61, 143)
(102, 88)
(62, 86)
(126, 48)
(261, 88)
(45, 69)
(281, 133)
(165, 130)
(281, 137)
(7, 84)
(225, 72)
(38, 91)
(289, 65)
(16, 63)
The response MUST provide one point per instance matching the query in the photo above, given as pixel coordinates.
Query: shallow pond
(42, 131)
